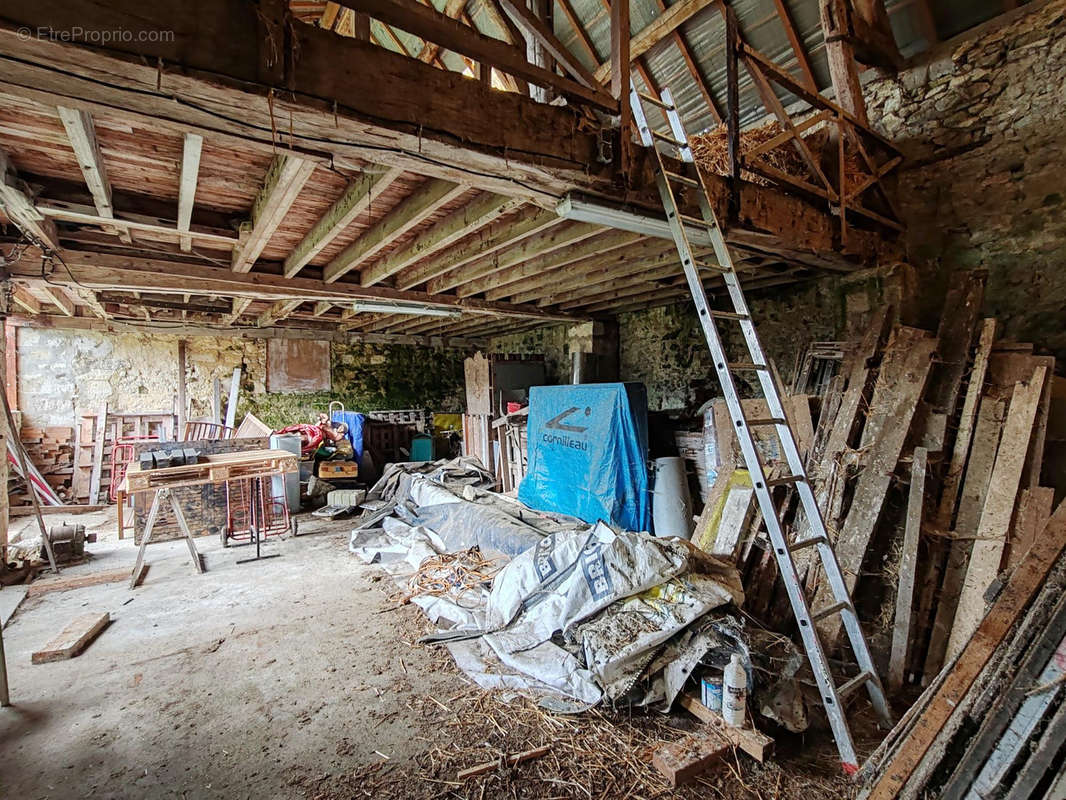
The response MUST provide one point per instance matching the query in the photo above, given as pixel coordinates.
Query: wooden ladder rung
(687, 181)
(655, 101)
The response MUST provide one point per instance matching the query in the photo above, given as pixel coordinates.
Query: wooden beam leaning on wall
(356, 199)
(281, 186)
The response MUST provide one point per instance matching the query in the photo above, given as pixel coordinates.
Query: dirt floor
(296, 677)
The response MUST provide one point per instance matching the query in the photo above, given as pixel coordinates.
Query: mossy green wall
(367, 377)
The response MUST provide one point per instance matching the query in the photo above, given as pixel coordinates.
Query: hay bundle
(711, 151)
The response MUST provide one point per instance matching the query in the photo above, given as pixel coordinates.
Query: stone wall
(61, 371)
(980, 121)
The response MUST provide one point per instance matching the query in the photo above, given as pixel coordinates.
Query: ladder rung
(829, 611)
(811, 542)
(695, 184)
(730, 315)
(655, 101)
(662, 137)
(786, 479)
(712, 267)
(758, 423)
(748, 365)
(694, 220)
(857, 682)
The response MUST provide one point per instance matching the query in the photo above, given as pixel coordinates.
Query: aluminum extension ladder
(832, 694)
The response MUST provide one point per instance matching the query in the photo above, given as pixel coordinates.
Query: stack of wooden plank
(51, 450)
(926, 463)
(992, 723)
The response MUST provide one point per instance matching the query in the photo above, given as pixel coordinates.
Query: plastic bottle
(735, 694)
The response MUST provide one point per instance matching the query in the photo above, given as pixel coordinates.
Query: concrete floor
(224, 684)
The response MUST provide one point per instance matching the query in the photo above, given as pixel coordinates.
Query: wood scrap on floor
(63, 584)
(509, 761)
(73, 639)
(689, 756)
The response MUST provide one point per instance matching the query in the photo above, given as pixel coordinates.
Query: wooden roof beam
(240, 305)
(539, 31)
(657, 30)
(410, 213)
(449, 230)
(285, 178)
(130, 273)
(430, 51)
(453, 35)
(356, 199)
(192, 146)
(25, 300)
(798, 50)
(55, 296)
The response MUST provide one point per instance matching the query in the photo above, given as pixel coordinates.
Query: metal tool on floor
(667, 179)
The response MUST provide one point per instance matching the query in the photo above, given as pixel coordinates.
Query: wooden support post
(4, 500)
(732, 71)
(182, 401)
(841, 57)
(11, 366)
(620, 56)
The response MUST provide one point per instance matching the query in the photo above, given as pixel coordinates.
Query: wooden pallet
(216, 469)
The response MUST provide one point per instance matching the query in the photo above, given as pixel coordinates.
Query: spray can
(712, 691)
(735, 695)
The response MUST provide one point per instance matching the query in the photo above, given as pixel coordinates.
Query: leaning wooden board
(73, 639)
(1012, 602)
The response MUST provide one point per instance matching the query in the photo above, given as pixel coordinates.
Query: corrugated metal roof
(763, 29)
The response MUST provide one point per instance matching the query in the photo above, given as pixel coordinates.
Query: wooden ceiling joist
(192, 146)
(85, 215)
(490, 239)
(281, 186)
(19, 207)
(55, 296)
(542, 243)
(278, 311)
(499, 286)
(239, 306)
(25, 300)
(81, 133)
(457, 225)
(410, 213)
(357, 198)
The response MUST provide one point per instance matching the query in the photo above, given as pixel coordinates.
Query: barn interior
(532, 398)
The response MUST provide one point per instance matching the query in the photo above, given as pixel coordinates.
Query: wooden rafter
(658, 29)
(798, 50)
(579, 30)
(411, 212)
(538, 30)
(453, 35)
(430, 51)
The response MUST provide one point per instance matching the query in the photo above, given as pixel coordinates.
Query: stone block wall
(62, 372)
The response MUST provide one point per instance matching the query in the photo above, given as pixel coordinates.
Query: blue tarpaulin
(588, 449)
(354, 421)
